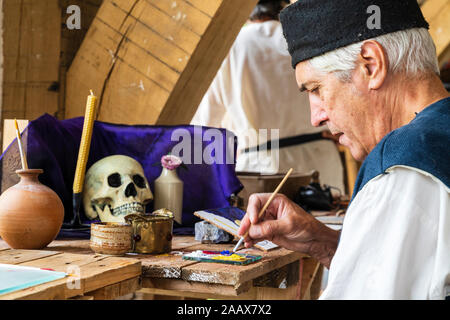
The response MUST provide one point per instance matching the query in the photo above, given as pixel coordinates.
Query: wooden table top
(88, 272)
(167, 271)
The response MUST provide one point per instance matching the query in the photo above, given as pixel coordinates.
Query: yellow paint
(233, 257)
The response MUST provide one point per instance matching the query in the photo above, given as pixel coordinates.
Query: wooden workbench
(280, 274)
(93, 276)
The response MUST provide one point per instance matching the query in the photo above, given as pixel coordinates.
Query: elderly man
(378, 90)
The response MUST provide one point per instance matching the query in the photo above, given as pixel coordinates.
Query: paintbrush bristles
(261, 212)
(23, 156)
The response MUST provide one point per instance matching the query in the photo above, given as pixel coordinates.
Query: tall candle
(85, 144)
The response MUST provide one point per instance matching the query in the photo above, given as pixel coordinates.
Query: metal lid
(158, 215)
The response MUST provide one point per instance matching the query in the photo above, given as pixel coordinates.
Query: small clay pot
(31, 214)
(111, 238)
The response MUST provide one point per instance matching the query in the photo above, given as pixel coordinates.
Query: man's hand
(289, 226)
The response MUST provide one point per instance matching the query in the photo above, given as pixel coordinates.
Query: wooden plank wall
(71, 41)
(31, 34)
(151, 61)
(37, 51)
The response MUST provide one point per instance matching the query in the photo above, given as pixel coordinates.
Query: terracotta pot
(111, 238)
(31, 214)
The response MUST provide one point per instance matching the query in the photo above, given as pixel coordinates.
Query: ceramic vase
(169, 193)
(31, 214)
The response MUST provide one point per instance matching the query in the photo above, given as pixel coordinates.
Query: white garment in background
(255, 88)
(395, 241)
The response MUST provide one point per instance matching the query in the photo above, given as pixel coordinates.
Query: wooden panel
(432, 8)
(108, 271)
(31, 31)
(21, 256)
(254, 293)
(38, 50)
(197, 287)
(115, 290)
(95, 272)
(209, 7)
(154, 57)
(59, 261)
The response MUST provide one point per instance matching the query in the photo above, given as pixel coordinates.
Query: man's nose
(318, 115)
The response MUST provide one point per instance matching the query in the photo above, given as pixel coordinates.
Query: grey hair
(411, 51)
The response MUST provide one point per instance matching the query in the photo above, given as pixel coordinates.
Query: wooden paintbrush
(23, 156)
(272, 196)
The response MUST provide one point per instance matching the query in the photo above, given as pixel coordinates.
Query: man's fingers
(266, 230)
(245, 224)
(255, 204)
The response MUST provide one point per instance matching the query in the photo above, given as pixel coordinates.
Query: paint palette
(226, 257)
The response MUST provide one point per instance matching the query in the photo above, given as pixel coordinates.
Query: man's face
(342, 106)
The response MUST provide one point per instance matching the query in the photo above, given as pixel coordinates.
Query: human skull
(114, 187)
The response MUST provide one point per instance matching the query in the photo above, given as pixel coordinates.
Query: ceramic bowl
(111, 238)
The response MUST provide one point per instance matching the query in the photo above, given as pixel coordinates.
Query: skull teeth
(128, 208)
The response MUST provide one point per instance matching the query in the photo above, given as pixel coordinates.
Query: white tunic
(395, 241)
(255, 88)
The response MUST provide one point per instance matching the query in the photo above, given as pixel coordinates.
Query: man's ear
(375, 64)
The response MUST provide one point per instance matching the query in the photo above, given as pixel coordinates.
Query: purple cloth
(52, 145)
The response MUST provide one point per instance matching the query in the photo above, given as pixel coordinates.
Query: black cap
(315, 27)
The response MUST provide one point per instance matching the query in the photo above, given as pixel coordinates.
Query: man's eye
(316, 89)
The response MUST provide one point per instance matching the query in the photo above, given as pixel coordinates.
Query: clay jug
(169, 193)
(31, 214)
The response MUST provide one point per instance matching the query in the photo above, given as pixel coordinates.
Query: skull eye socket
(114, 180)
(139, 181)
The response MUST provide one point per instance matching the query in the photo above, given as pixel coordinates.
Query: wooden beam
(151, 61)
